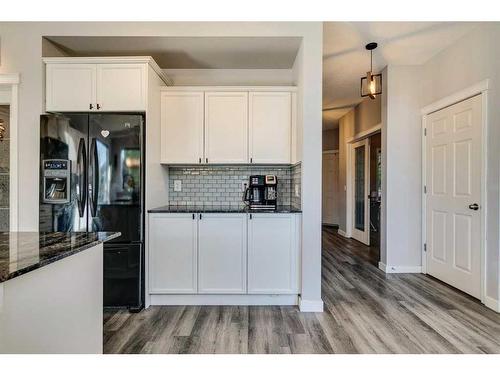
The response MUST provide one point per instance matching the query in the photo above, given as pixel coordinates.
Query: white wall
(401, 147)
(21, 51)
(470, 60)
(230, 77)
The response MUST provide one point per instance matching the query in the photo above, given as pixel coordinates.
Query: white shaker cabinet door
(222, 254)
(121, 87)
(226, 127)
(172, 244)
(182, 127)
(70, 87)
(270, 127)
(273, 265)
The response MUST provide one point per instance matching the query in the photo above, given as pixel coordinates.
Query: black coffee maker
(262, 192)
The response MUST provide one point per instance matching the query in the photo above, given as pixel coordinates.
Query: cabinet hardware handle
(200, 216)
(251, 160)
(98, 106)
(91, 106)
(250, 216)
(200, 160)
(193, 216)
(206, 160)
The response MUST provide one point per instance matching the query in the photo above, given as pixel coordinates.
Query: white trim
(365, 133)
(492, 303)
(342, 233)
(481, 88)
(112, 60)
(399, 269)
(459, 96)
(9, 79)
(13, 80)
(231, 88)
(331, 152)
(308, 305)
(223, 299)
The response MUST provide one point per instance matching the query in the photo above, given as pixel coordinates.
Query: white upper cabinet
(121, 87)
(270, 125)
(182, 127)
(70, 87)
(226, 127)
(98, 84)
(222, 254)
(273, 253)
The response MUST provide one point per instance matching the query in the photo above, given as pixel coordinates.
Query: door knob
(474, 206)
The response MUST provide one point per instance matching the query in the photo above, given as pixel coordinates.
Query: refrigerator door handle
(81, 163)
(94, 180)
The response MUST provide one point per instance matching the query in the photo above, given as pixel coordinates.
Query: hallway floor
(366, 311)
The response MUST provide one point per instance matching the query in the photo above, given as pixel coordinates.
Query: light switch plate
(177, 185)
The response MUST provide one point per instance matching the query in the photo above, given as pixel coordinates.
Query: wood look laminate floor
(366, 311)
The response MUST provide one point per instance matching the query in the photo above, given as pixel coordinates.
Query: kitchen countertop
(220, 209)
(23, 252)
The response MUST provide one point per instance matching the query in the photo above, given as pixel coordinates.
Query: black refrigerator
(91, 179)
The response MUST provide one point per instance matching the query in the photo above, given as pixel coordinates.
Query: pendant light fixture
(371, 85)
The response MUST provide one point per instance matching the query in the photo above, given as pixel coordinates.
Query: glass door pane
(359, 188)
(4, 167)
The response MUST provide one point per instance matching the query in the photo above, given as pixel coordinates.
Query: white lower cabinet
(272, 254)
(173, 253)
(222, 255)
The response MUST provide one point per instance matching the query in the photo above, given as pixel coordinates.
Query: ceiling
(345, 59)
(189, 52)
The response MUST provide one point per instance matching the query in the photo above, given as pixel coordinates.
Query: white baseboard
(492, 303)
(308, 305)
(342, 233)
(399, 269)
(223, 299)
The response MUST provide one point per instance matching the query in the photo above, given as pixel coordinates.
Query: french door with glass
(360, 159)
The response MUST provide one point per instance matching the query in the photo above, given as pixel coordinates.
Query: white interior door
(360, 171)
(453, 178)
(330, 210)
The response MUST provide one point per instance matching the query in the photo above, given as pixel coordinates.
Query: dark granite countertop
(220, 209)
(22, 252)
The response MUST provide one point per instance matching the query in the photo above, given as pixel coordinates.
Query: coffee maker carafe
(262, 192)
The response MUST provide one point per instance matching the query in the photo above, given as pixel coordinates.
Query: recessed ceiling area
(189, 52)
(345, 59)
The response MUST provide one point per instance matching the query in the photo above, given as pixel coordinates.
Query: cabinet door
(270, 124)
(121, 87)
(222, 255)
(226, 127)
(182, 127)
(70, 87)
(272, 254)
(172, 244)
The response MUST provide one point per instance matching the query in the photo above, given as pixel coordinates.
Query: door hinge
(425, 189)
(425, 247)
(425, 132)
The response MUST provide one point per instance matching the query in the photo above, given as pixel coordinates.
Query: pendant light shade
(371, 85)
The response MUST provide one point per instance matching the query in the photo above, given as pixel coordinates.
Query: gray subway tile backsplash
(222, 185)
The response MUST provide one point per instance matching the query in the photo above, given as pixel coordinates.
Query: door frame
(349, 175)
(480, 88)
(365, 237)
(12, 81)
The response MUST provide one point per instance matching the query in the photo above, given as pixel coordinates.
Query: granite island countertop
(220, 209)
(22, 252)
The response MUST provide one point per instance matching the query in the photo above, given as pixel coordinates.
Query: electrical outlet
(177, 185)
